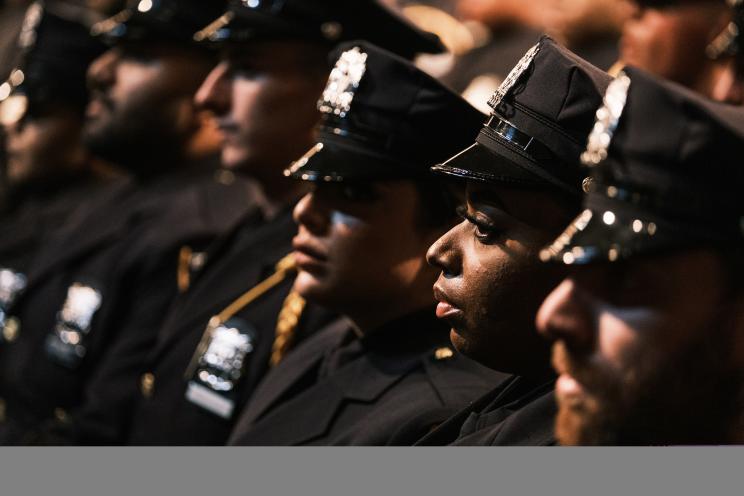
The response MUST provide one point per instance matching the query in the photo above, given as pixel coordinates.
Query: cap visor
(479, 163)
(610, 235)
(332, 161)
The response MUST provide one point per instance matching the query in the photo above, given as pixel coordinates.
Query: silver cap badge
(513, 77)
(343, 82)
(608, 117)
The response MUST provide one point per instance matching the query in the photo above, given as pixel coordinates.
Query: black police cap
(382, 118)
(324, 21)
(666, 174)
(159, 20)
(537, 130)
(53, 56)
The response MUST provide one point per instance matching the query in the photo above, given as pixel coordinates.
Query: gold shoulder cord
(289, 316)
(183, 275)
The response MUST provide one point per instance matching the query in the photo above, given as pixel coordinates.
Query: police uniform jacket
(389, 387)
(24, 228)
(519, 412)
(172, 409)
(96, 292)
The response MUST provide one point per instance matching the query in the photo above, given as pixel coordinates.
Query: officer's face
(647, 351)
(264, 95)
(671, 41)
(141, 105)
(44, 147)
(361, 250)
(492, 283)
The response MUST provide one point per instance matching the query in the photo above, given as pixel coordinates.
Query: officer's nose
(445, 253)
(214, 93)
(566, 315)
(310, 214)
(102, 72)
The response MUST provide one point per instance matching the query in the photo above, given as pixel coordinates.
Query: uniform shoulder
(456, 377)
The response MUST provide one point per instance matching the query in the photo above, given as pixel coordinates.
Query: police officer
(239, 317)
(99, 288)
(388, 375)
(41, 109)
(523, 180)
(648, 326)
(683, 41)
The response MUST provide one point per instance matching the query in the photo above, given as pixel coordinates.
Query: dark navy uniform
(190, 392)
(520, 412)
(533, 139)
(389, 387)
(74, 342)
(174, 405)
(394, 383)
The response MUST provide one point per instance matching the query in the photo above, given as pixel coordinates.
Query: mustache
(595, 377)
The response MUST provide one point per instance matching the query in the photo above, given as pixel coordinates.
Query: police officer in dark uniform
(523, 180)
(387, 374)
(98, 290)
(683, 41)
(239, 317)
(648, 325)
(41, 109)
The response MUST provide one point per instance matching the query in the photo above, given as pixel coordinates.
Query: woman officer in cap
(386, 374)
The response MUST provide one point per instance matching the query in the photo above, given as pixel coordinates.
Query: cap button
(444, 353)
(331, 30)
(147, 385)
(61, 415)
(11, 329)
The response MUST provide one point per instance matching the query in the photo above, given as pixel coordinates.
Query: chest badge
(66, 344)
(11, 285)
(218, 365)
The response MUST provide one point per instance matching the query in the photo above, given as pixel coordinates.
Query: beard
(136, 138)
(692, 397)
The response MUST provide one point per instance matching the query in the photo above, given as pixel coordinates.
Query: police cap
(53, 56)
(540, 117)
(323, 21)
(159, 20)
(382, 118)
(666, 174)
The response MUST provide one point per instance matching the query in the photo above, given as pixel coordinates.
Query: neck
(371, 317)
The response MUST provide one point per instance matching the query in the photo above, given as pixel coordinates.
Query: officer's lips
(308, 257)
(445, 309)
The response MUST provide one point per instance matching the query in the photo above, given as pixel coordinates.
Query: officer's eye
(485, 231)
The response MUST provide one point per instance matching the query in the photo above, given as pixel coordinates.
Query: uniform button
(61, 415)
(444, 353)
(11, 329)
(147, 385)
